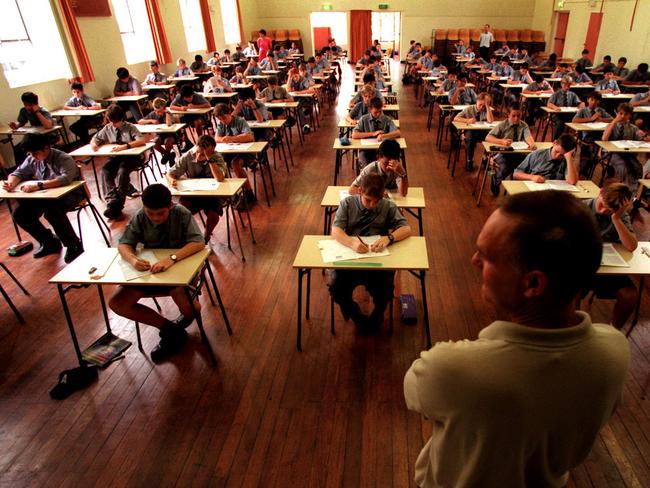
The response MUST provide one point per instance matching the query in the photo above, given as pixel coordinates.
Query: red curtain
(207, 26)
(78, 48)
(360, 33)
(241, 27)
(160, 42)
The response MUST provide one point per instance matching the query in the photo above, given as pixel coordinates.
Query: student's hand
(381, 136)
(119, 147)
(250, 103)
(162, 265)
(623, 208)
(471, 120)
(537, 179)
(29, 187)
(140, 264)
(506, 142)
(182, 108)
(377, 133)
(13, 125)
(532, 146)
(6, 186)
(618, 118)
(35, 108)
(173, 182)
(380, 244)
(360, 247)
(226, 139)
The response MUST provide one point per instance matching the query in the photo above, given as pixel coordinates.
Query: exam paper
(597, 125)
(568, 109)
(519, 145)
(372, 141)
(333, 251)
(551, 185)
(611, 257)
(266, 123)
(233, 146)
(130, 273)
(631, 144)
(198, 184)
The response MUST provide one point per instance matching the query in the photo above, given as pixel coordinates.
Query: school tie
(118, 136)
(564, 99)
(364, 222)
(515, 133)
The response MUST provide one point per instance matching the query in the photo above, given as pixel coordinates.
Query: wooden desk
(191, 111)
(258, 150)
(409, 254)
(165, 87)
(8, 133)
(225, 97)
(77, 113)
(584, 127)
(126, 98)
(292, 109)
(588, 189)
(180, 79)
(356, 145)
(279, 127)
(345, 127)
(454, 152)
(183, 273)
(610, 147)
(414, 200)
(159, 128)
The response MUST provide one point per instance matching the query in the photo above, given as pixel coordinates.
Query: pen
(361, 240)
(92, 270)
(646, 251)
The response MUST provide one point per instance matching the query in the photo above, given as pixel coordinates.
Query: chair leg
(100, 223)
(332, 315)
(15, 280)
(156, 304)
(137, 334)
(11, 305)
(81, 238)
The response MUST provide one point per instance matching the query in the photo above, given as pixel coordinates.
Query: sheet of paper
(568, 109)
(484, 123)
(631, 144)
(130, 273)
(372, 141)
(343, 194)
(597, 125)
(551, 185)
(198, 184)
(259, 124)
(519, 145)
(611, 257)
(232, 146)
(460, 107)
(332, 251)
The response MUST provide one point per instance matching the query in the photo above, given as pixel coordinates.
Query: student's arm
(46, 122)
(202, 102)
(365, 135)
(642, 101)
(608, 131)
(628, 239)
(572, 175)
(216, 167)
(184, 252)
(530, 140)
(399, 234)
(524, 172)
(396, 134)
(496, 140)
(353, 242)
(127, 252)
(403, 184)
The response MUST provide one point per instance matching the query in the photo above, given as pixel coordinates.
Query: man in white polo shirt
(485, 41)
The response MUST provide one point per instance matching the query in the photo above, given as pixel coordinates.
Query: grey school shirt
(131, 84)
(58, 165)
(84, 101)
(467, 97)
(390, 177)
(197, 99)
(506, 130)
(384, 218)
(625, 132)
(277, 93)
(563, 98)
(248, 113)
(110, 135)
(25, 116)
(473, 112)
(586, 112)
(236, 127)
(189, 166)
(358, 110)
(541, 163)
(606, 85)
(178, 230)
(359, 97)
(607, 230)
(368, 123)
(640, 96)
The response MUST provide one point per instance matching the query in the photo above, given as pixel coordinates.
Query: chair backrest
(281, 35)
(254, 35)
(441, 34)
(294, 34)
(270, 33)
(526, 35)
(538, 36)
(452, 35)
(512, 35)
(475, 34)
(500, 35)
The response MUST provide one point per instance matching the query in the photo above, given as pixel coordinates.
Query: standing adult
(263, 45)
(523, 404)
(485, 41)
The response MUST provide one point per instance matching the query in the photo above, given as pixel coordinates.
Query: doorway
(561, 24)
(326, 26)
(386, 28)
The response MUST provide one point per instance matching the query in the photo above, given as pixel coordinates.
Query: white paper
(266, 123)
(484, 123)
(198, 184)
(551, 185)
(333, 251)
(597, 125)
(460, 107)
(568, 109)
(232, 146)
(631, 144)
(343, 194)
(611, 257)
(519, 145)
(130, 273)
(372, 141)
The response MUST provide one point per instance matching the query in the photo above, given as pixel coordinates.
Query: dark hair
(226, 51)
(566, 142)
(222, 109)
(514, 106)
(366, 52)
(376, 102)
(608, 69)
(29, 97)
(462, 77)
(580, 69)
(506, 59)
(372, 185)
(35, 142)
(622, 58)
(153, 63)
(524, 66)
(625, 107)
(187, 91)
(270, 54)
(206, 140)
(311, 59)
(564, 65)
(555, 234)
(596, 96)
(538, 78)
(198, 57)
(156, 196)
(585, 51)
(389, 148)
(607, 57)
(552, 57)
(122, 73)
(77, 86)
(616, 195)
(643, 67)
(273, 80)
(247, 94)
(263, 31)
(115, 113)
(368, 77)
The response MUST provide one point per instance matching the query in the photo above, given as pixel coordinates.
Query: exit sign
(326, 6)
(383, 6)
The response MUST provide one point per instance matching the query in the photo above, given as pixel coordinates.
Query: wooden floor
(332, 415)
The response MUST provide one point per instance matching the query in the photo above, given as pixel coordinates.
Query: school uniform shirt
(363, 61)
(188, 165)
(607, 230)
(506, 130)
(248, 113)
(607, 85)
(640, 96)
(277, 93)
(213, 61)
(25, 116)
(540, 162)
(358, 110)
(584, 62)
(198, 66)
(323, 63)
(314, 70)
(586, 112)
(359, 97)
(625, 132)
(472, 112)
(636, 76)
(238, 56)
(282, 54)
(563, 98)
(519, 76)
(485, 39)
(211, 85)
(179, 229)
(57, 166)
(357, 220)
(154, 78)
(129, 85)
(449, 85)
(182, 72)
(160, 119)
(294, 50)
(300, 84)
(252, 71)
(267, 64)
(467, 97)
(491, 66)
(622, 72)
(506, 70)
(196, 100)
(390, 177)
(237, 126)
(580, 78)
(235, 80)
(426, 62)
(110, 135)
(534, 86)
(368, 123)
(461, 50)
(602, 66)
(84, 101)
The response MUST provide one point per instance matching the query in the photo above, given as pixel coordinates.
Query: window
(230, 19)
(193, 24)
(133, 21)
(31, 50)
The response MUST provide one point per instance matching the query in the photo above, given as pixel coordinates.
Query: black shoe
(182, 321)
(132, 192)
(495, 186)
(306, 129)
(73, 252)
(250, 196)
(51, 246)
(171, 342)
(113, 213)
(469, 166)
(187, 147)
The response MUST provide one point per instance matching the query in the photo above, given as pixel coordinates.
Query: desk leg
(421, 276)
(199, 323)
(234, 223)
(265, 158)
(100, 291)
(68, 318)
(13, 221)
(285, 133)
(420, 222)
(308, 294)
(248, 216)
(280, 139)
(301, 272)
(218, 295)
(337, 165)
(635, 317)
(97, 182)
(403, 158)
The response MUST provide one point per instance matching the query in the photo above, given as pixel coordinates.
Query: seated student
(294, 48)
(199, 66)
(160, 223)
(36, 116)
(46, 167)
(562, 98)
(579, 76)
(302, 69)
(460, 94)
(425, 62)
(202, 161)
(620, 71)
(155, 77)
(374, 125)
(555, 163)
(626, 167)
(368, 79)
(375, 67)
(534, 105)
(181, 69)
(187, 99)
(80, 101)
(268, 63)
(610, 211)
(523, 56)
(296, 83)
(641, 99)
(412, 48)
(366, 214)
(504, 69)
(126, 85)
(216, 84)
(470, 54)
(608, 83)
(238, 55)
(503, 50)
(249, 107)
(451, 81)
(460, 47)
(252, 69)
(250, 50)
(550, 64)
(226, 58)
(313, 68)
(280, 52)
(164, 143)
(322, 61)
(234, 129)
(513, 129)
(363, 107)
(238, 78)
(606, 64)
(562, 69)
(522, 75)
(365, 59)
(480, 112)
(591, 113)
(492, 64)
(334, 48)
(639, 75)
(276, 93)
(584, 62)
(215, 60)
(388, 166)
(126, 136)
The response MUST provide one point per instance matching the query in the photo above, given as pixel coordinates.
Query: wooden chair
(270, 33)
(452, 39)
(526, 40)
(538, 43)
(281, 36)
(500, 37)
(463, 35)
(8, 298)
(87, 203)
(513, 38)
(440, 42)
